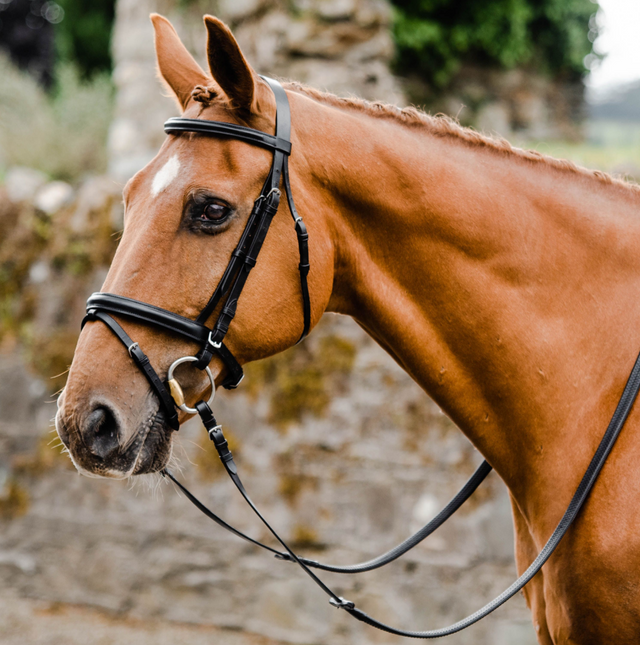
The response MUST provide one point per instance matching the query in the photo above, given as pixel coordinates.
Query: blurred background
(342, 451)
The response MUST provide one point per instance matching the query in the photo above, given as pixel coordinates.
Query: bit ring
(176, 389)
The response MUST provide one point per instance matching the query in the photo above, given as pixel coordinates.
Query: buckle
(272, 191)
(263, 198)
(131, 348)
(211, 342)
(341, 603)
(214, 430)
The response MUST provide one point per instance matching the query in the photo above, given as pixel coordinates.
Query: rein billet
(101, 306)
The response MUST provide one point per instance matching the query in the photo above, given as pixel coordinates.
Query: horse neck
(498, 282)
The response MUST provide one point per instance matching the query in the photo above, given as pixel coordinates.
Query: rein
(101, 306)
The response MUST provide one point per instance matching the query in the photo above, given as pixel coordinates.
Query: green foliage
(63, 134)
(434, 37)
(84, 35)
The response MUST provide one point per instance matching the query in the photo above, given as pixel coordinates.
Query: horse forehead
(165, 176)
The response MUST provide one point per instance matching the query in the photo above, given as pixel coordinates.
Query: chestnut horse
(504, 282)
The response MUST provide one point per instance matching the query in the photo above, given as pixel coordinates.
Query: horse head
(184, 215)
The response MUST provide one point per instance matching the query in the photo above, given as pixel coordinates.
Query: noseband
(100, 306)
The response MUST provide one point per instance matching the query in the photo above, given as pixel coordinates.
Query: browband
(176, 125)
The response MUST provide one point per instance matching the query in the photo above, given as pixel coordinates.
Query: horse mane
(442, 125)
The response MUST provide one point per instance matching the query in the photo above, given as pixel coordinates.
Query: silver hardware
(216, 429)
(341, 603)
(190, 359)
(273, 190)
(212, 343)
(263, 197)
(132, 347)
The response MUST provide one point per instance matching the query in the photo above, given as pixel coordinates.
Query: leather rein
(101, 306)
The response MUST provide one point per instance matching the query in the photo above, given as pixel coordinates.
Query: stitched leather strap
(393, 554)
(582, 492)
(243, 258)
(303, 252)
(283, 129)
(169, 321)
(176, 125)
(215, 433)
(232, 283)
(267, 210)
(237, 258)
(211, 515)
(279, 169)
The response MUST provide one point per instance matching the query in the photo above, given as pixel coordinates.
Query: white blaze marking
(165, 176)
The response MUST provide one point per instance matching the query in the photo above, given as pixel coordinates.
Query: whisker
(178, 444)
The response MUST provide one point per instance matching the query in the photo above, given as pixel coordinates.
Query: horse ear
(228, 66)
(176, 65)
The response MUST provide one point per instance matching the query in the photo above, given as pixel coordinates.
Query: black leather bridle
(100, 306)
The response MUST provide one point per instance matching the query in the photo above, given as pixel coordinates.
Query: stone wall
(519, 103)
(339, 448)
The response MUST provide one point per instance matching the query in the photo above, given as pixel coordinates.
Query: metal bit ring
(176, 389)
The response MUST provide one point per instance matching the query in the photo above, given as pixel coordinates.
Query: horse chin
(147, 452)
(155, 451)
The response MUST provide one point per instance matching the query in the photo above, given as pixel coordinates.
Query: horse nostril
(101, 432)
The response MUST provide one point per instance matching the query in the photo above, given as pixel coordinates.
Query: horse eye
(214, 212)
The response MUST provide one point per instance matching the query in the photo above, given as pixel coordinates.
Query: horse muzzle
(101, 445)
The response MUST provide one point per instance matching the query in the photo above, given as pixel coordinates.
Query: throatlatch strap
(279, 169)
(283, 130)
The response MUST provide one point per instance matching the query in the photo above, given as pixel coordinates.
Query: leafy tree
(434, 37)
(84, 34)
